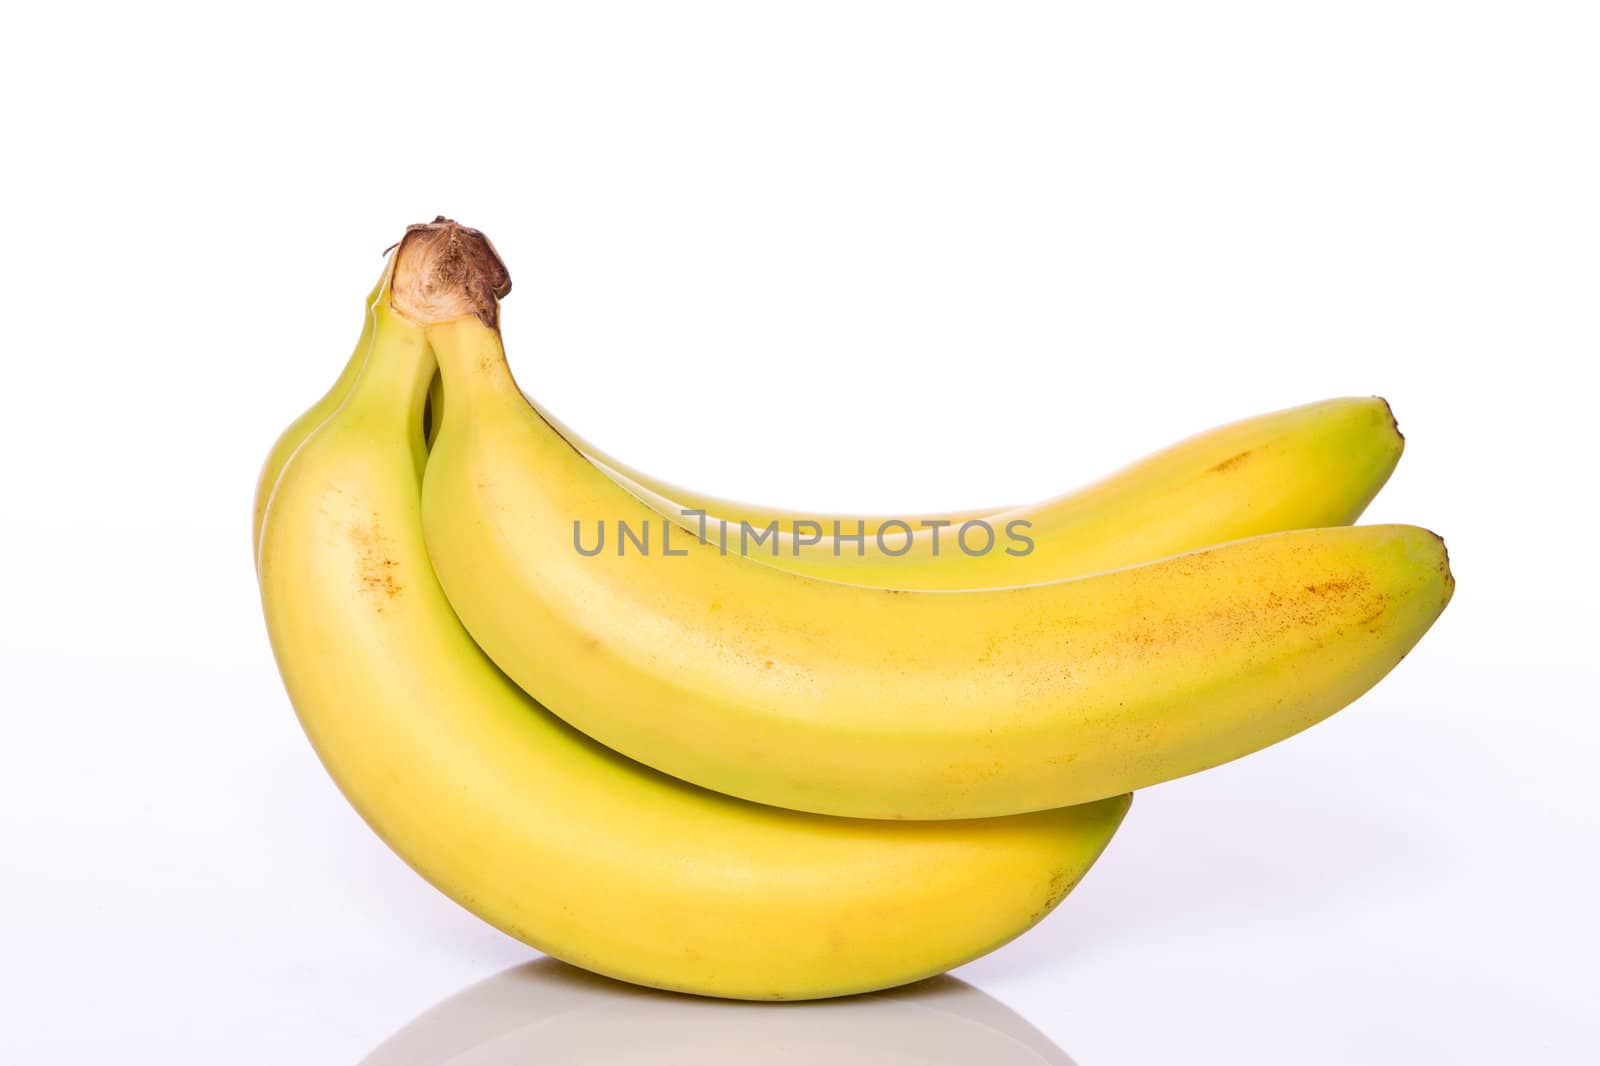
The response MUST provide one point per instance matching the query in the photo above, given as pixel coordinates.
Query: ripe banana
(556, 840)
(314, 416)
(1306, 467)
(1315, 465)
(845, 700)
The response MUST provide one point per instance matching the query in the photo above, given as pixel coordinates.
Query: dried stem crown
(444, 270)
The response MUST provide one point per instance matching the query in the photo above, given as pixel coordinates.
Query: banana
(560, 842)
(839, 699)
(1315, 465)
(314, 416)
(1319, 464)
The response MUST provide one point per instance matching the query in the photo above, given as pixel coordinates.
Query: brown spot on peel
(444, 270)
(1335, 586)
(1231, 462)
(377, 567)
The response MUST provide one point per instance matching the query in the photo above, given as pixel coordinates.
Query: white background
(838, 255)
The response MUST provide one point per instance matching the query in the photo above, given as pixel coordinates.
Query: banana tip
(1444, 565)
(1394, 423)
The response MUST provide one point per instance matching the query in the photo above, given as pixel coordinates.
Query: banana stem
(445, 270)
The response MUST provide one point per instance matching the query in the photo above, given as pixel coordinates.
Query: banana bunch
(787, 771)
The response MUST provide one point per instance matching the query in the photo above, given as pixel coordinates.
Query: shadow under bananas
(548, 1012)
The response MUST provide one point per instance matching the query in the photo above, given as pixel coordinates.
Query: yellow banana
(558, 841)
(821, 696)
(1319, 464)
(1315, 465)
(314, 416)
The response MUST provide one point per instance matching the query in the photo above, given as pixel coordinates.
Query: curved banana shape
(1316, 465)
(863, 702)
(314, 416)
(558, 841)
(1319, 464)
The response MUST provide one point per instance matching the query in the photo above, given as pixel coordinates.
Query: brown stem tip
(444, 270)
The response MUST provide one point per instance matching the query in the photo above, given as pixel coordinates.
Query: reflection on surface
(548, 1012)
